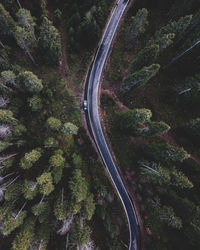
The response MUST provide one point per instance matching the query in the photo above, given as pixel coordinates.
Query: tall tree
(30, 81)
(166, 152)
(145, 57)
(50, 42)
(136, 27)
(139, 78)
(25, 34)
(7, 24)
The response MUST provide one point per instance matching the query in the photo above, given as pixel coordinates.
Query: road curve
(94, 124)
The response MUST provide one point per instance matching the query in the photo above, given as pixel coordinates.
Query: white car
(85, 105)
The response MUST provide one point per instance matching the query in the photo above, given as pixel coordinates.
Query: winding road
(94, 124)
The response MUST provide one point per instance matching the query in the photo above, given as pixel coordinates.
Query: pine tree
(45, 183)
(193, 127)
(30, 158)
(70, 129)
(137, 27)
(50, 42)
(54, 124)
(88, 207)
(30, 81)
(60, 208)
(41, 210)
(24, 33)
(78, 186)
(30, 189)
(152, 129)
(24, 238)
(139, 78)
(35, 103)
(155, 173)
(7, 24)
(131, 119)
(145, 57)
(166, 152)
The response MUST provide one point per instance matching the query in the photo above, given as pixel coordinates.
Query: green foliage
(178, 179)
(80, 235)
(30, 81)
(6, 116)
(153, 129)
(13, 221)
(193, 127)
(54, 124)
(145, 57)
(8, 77)
(78, 186)
(155, 173)
(139, 78)
(13, 191)
(137, 26)
(7, 24)
(166, 152)
(4, 145)
(60, 208)
(29, 189)
(35, 103)
(57, 160)
(30, 158)
(24, 33)
(70, 129)
(25, 236)
(132, 118)
(174, 30)
(45, 182)
(88, 207)
(41, 210)
(50, 42)
(50, 142)
(18, 130)
(166, 214)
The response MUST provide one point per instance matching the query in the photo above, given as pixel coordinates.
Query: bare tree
(4, 100)
(66, 224)
(5, 131)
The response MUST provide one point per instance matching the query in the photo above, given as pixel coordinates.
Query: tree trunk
(182, 54)
(19, 4)
(20, 210)
(30, 56)
(2, 44)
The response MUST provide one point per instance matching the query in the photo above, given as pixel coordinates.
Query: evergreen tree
(145, 57)
(41, 210)
(88, 207)
(136, 27)
(12, 221)
(7, 24)
(24, 238)
(155, 173)
(30, 189)
(50, 42)
(132, 118)
(50, 142)
(193, 127)
(35, 103)
(30, 158)
(69, 128)
(80, 235)
(166, 214)
(45, 183)
(24, 33)
(6, 117)
(54, 124)
(30, 81)
(166, 152)
(139, 78)
(60, 208)
(152, 129)
(78, 186)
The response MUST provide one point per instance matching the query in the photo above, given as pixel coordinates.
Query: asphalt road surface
(94, 124)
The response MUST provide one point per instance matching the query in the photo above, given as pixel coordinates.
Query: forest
(150, 102)
(54, 191)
